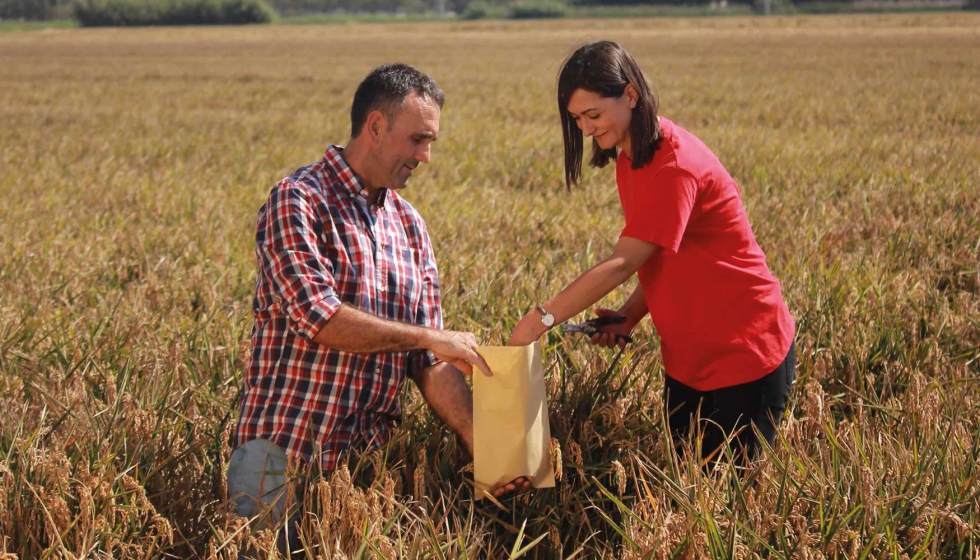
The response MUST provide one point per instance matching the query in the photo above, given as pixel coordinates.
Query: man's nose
(424, 153)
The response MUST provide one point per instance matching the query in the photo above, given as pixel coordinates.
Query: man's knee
(257, 481)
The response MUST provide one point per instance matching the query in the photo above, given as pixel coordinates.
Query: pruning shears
(592, 327)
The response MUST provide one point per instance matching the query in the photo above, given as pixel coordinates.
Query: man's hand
(456, 348)
(519, 485)
(607, 334)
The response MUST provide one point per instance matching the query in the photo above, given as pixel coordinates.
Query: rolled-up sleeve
(429, 312)
(290, 257)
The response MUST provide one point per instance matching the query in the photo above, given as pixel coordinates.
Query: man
(347, 303)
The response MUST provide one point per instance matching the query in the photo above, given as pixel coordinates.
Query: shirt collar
(347, 178)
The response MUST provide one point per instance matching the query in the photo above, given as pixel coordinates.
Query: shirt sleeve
(290, 258)
(660, 208)
(429, 312)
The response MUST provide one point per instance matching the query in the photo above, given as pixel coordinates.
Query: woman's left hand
(528, 329)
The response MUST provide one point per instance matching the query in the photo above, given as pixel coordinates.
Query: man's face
(407, 141)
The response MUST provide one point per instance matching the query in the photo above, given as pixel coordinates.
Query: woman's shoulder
(686, 150)
(673, 137)
(664, 158)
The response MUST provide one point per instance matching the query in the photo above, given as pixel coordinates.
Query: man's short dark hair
(385, 90)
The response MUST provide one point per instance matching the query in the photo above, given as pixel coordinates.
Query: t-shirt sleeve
(290, 257)
(659, 209)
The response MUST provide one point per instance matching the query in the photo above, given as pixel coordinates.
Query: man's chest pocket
(403, 288)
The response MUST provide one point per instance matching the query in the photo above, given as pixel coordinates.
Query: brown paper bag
(511, 435)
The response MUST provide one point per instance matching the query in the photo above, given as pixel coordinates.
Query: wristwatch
(547, 319)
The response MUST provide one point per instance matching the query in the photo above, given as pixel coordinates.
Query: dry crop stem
(133, 162)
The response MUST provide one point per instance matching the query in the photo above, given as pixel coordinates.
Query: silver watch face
(548, 319)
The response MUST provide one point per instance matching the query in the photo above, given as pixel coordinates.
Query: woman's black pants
(728, 414)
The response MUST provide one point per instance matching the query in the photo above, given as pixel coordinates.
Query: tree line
(210, 12)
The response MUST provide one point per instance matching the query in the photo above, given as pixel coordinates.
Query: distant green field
(134, 162)
(572, 12)
(9, 25)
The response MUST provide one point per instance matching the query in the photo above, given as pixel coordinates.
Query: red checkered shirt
(319, 244)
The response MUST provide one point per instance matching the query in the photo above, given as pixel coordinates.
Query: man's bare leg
(444, 388)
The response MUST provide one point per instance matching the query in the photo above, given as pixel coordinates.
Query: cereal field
(132, 164)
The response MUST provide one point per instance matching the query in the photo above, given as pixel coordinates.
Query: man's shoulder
(409, 217)
(404, 208)
(307, 181)
(311, 176)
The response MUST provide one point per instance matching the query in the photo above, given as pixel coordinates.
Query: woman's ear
(632, 95)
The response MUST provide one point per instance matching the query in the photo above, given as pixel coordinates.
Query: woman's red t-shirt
(718, 310)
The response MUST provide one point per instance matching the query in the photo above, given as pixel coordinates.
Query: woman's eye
(594, 117)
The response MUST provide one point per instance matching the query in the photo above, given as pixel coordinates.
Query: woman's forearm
(590, 287)
(635, 308)
(598, 281)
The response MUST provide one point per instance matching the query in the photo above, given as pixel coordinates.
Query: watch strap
(545, 315)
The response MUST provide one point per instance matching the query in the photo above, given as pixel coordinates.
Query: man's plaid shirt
(320, 244)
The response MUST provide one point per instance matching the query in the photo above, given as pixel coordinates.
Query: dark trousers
(730, 412)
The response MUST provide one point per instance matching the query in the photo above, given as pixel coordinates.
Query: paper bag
(511, 435)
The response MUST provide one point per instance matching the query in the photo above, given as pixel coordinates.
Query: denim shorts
(258, 484)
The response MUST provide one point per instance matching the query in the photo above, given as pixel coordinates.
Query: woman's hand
(607, 335)
(528, 329)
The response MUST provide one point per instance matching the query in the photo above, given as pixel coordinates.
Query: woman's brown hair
(605, 69)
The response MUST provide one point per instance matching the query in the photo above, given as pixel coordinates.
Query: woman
(726, 333)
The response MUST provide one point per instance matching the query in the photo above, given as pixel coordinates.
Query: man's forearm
(353, 330)
(443, 387)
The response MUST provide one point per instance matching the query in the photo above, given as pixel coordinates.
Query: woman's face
(606, 119)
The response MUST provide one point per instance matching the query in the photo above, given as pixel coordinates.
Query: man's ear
(376, 125)
(632, 95)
